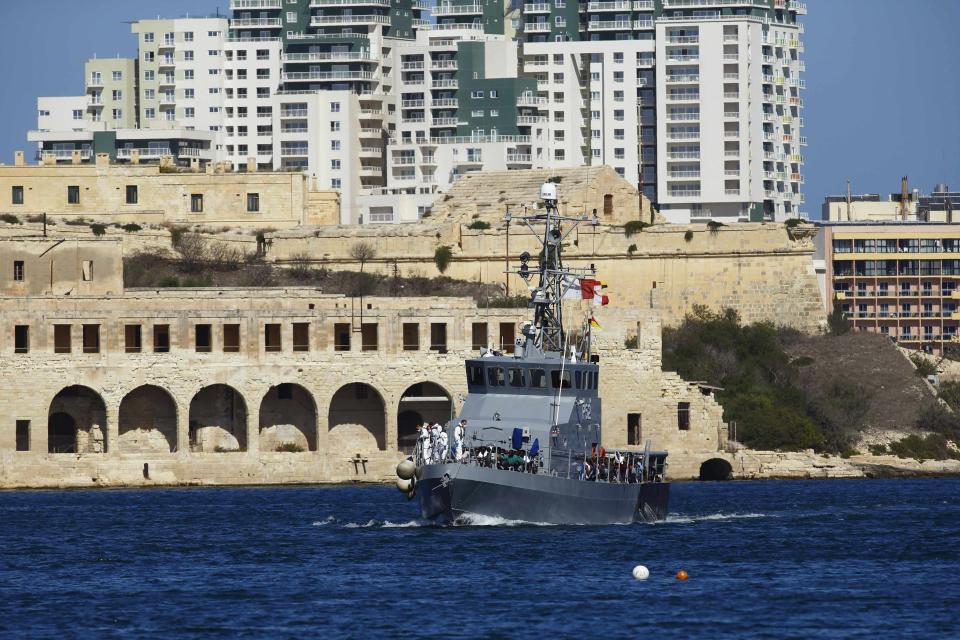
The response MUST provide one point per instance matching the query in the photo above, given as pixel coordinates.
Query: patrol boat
(527, 440)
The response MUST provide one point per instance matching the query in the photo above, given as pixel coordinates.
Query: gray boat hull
(448, 491)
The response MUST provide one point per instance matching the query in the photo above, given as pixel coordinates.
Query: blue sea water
(788, 559)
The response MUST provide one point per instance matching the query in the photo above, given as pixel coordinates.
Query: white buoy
(404, 486)
(640, 572)
(406, 469)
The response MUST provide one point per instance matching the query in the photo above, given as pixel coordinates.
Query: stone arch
(357, 420)
(716, 469)
(421, 401)
(147, 421)
(288, 416)
(77, 421)
(218, 419)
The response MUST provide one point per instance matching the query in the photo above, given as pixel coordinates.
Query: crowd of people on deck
(434, 447)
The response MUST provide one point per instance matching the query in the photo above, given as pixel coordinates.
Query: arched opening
(218, 420)
(357, 419)
(77, 422)
(148, 421)
(716, 469)
(288, 419)
(422, 401)
(607, 205)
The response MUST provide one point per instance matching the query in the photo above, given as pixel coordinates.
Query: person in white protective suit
(426, 444)
(438, 453)
(458, 434)
(442, 448)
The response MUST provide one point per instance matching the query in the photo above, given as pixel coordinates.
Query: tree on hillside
(363, 252)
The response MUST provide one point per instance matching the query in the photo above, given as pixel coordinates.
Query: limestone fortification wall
(764, 270)
(200, 412)
(165, 196)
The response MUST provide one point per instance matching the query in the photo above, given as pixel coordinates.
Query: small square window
(132, 194)
(161, 338)
(231, 338)
(196, 203)
(73, 194)
(253, 202)
(91, 338)
(272, 341)
(203, 338)
(301, 336)
(61, 338)
(16, 194)
(132, 338)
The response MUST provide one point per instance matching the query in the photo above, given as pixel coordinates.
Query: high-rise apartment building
(695, 101)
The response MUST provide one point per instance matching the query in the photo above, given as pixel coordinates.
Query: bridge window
(538, 379)
(555, 378)
(578, 376)
(495, 376)
(507, 336)
(474, 375)
(517, 378)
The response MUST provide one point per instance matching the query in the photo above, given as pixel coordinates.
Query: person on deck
(423, 439)
(442, 446)
(458, 434)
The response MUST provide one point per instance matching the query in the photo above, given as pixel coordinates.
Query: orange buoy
(682, 575)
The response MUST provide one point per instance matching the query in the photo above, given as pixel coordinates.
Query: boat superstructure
(527, 442)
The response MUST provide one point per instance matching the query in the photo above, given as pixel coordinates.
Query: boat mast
(547, 332)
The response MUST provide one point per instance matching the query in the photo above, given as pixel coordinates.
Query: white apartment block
(695, 101)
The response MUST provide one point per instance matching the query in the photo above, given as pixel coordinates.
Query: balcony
(166, 80)
(673, 58)
(329, 56)
(422, 23)
(404, 160)
(683, 39)
(429, 160)
(351, 3)
(683, 155)
(443, 64)
(411, 104)
(293, 113)
(412, 66)
(470, 26)
(443, 84)
(619, 5)
(154, 153)
(527, 100)
(537, 27)
(371, 133)
(682, 175)
(445, 122)
(444, 102)
(643, 24)
(324, 21)
(731, 115)
(166, 61)
(683, 135)
(519, 158)
(675, 79)
(537, 7)
(260, 23)
(683, 97)
(236, 5)
(326, 76)
(446, 9)
(529, 120)
(609, 25)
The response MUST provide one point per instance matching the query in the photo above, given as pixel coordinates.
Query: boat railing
(614, 466)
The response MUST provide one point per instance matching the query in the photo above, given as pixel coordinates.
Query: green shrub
(941, 420)
(132, 227)
(442, 257)
(877, 449)
(98, 229)
(555, 180)
(714, 225)
(76, 222)
(924, 367)
(837, 323)
(176, 234)
(933, 446)
(688, 235)
(802, 361)
(289, 447)
(519, 301)
(220, 449)
(631, 343)
(634, 226)
(478, 224)
(794, 222)
(169, 281)
(632, 249)
(9, 218)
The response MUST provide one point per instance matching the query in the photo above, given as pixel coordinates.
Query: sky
(882, 98)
